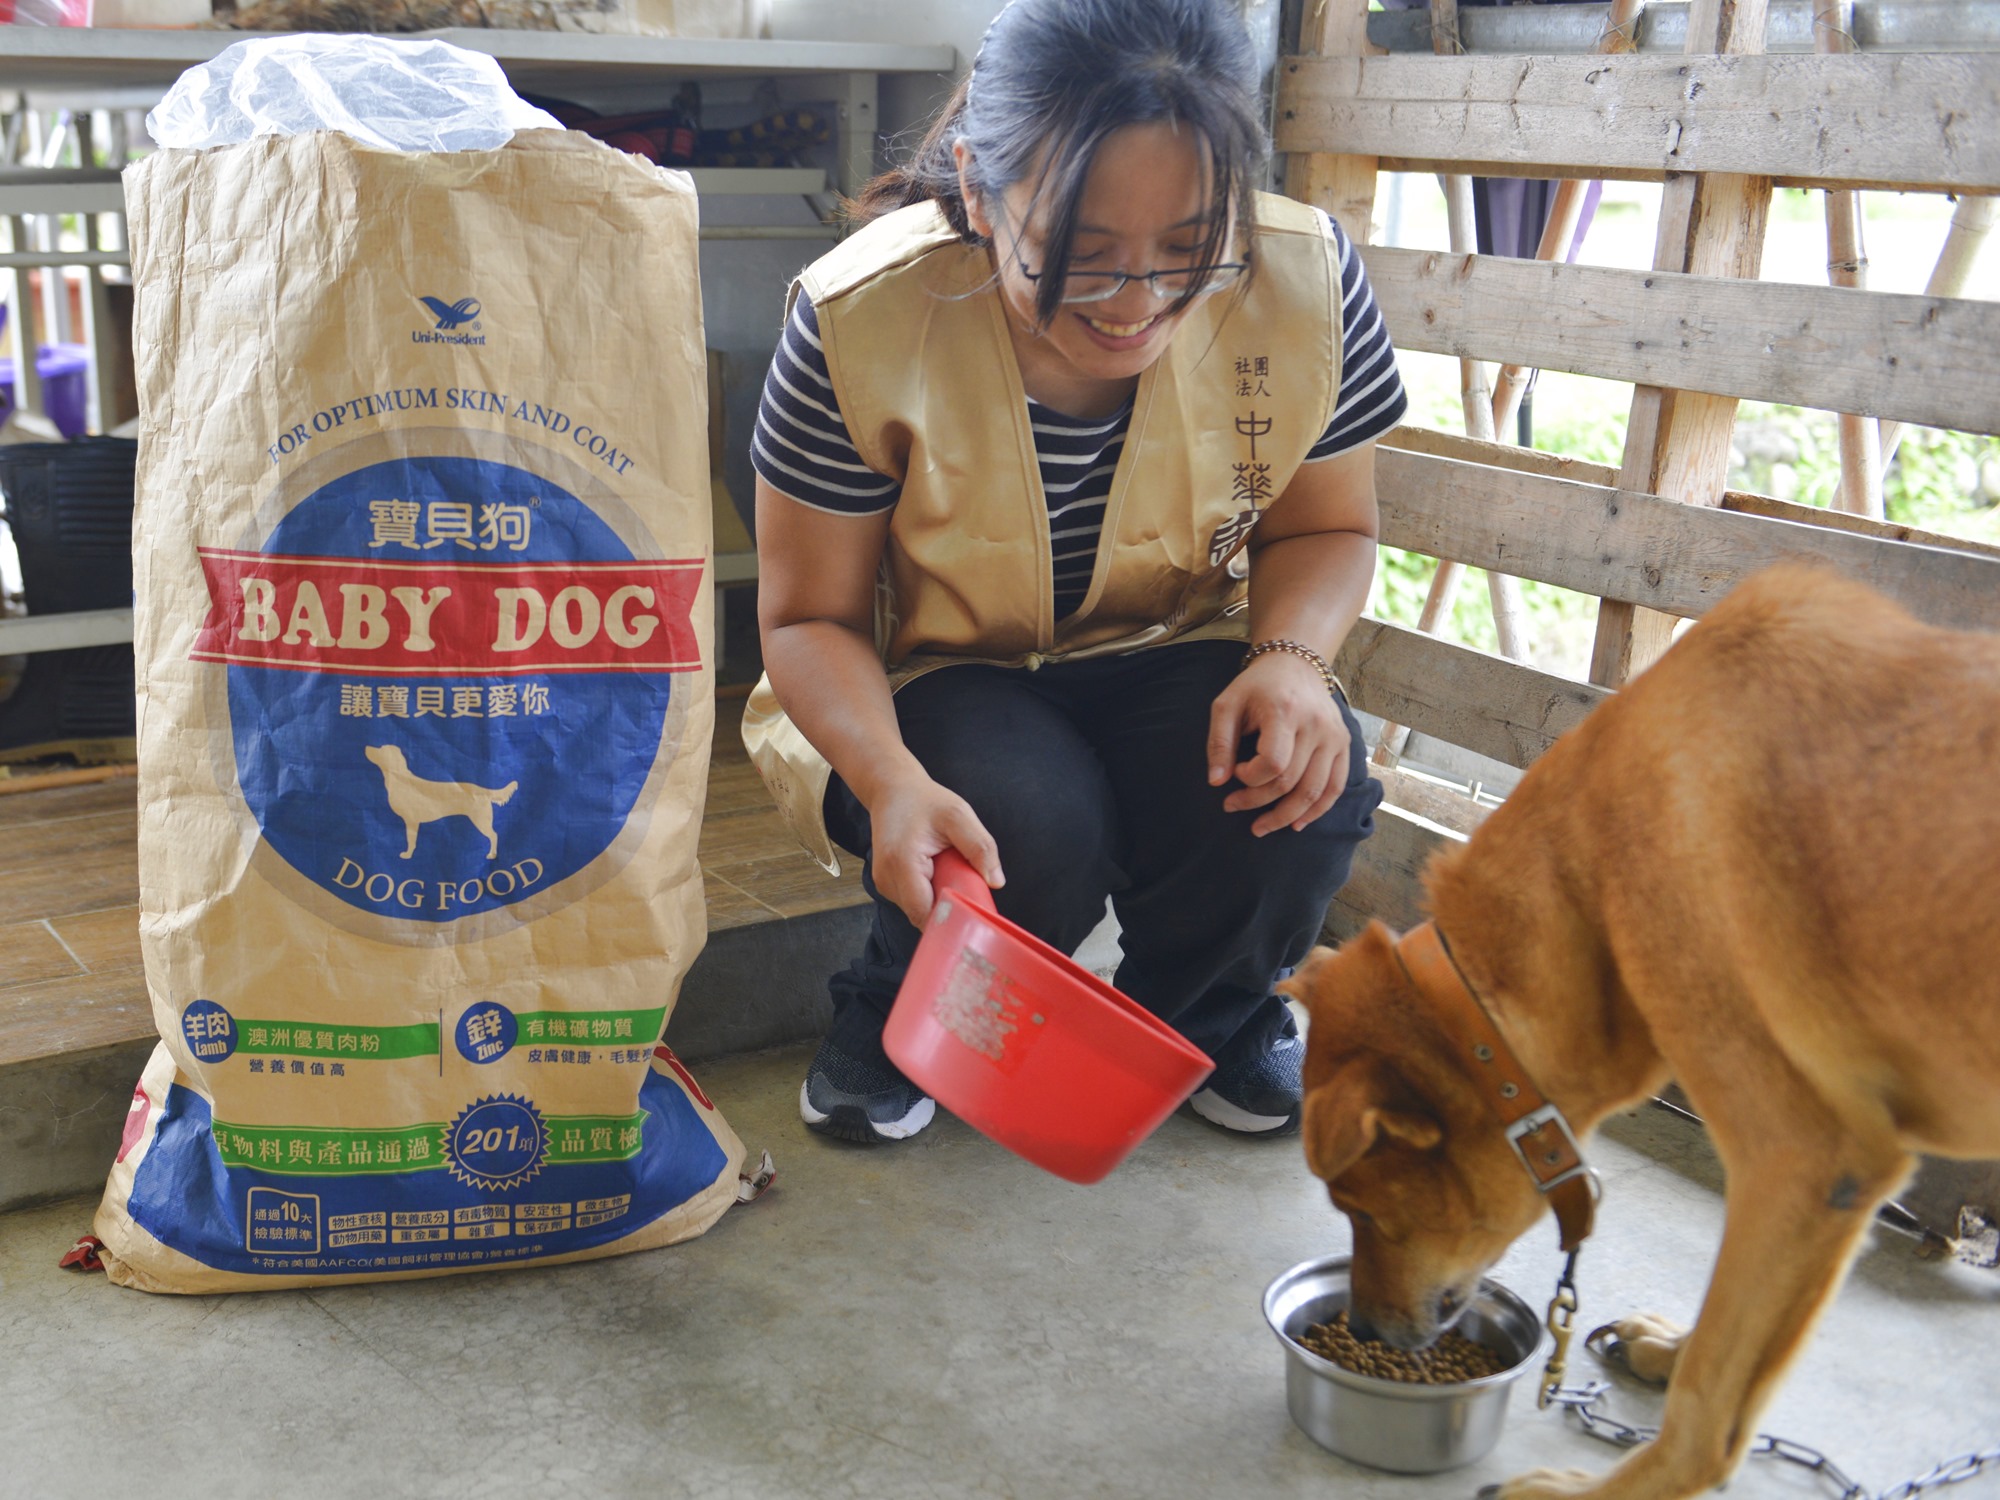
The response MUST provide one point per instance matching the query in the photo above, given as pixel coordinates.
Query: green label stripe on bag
(613, 1027)
(311, 1151)
(574, 1138)
(298, 1039)
(388, 1043)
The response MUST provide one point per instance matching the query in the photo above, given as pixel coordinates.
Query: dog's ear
(1360, 1105)
(1361, 961)
(1303, 982)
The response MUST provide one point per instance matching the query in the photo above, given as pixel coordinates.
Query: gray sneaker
(1258, 1094)
(854, 1096)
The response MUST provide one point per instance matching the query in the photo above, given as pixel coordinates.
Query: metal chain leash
(1583, 1399)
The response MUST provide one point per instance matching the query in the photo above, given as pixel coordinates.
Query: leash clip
(1560, 1320)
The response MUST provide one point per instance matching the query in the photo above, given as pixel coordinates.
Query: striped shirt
(802, 448)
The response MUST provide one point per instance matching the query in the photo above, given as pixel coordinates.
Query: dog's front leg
(1790, 1228)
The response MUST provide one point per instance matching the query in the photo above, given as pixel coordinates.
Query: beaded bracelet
(1296, 648)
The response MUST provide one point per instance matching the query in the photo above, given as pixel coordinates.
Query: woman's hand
(1311, 559)
(1300, 766)
(910, 825)
(816, 606)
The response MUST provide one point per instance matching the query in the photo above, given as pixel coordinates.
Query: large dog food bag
(423, 636)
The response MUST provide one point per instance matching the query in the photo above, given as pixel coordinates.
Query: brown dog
(1768, 869)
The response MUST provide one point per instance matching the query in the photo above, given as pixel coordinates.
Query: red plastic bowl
(1025, 1046)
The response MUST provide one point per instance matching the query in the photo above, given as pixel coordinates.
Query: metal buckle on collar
(1551, 1171)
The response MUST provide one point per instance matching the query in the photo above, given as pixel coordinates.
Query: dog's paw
(1644, 1345)
(1544, 1484)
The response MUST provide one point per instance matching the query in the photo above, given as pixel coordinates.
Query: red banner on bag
(341, 614)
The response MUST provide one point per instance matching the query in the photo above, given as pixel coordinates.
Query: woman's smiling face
(1144, 207)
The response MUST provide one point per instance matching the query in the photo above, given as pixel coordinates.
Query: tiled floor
(70, 976)
(69, 921)
(754, 868)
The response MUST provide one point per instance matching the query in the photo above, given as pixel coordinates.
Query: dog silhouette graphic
(417, 801)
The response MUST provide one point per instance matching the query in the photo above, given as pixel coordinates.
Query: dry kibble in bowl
(1454, 1358)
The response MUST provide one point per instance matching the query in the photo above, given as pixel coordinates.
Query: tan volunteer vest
(917, 346)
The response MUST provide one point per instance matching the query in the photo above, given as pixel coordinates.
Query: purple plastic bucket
(65, 372)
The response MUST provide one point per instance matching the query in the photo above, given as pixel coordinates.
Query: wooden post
(1677, 442)
(1342, 185)
(1474, 394)
(1476, 399)
(1620, 34)
(1860, 492)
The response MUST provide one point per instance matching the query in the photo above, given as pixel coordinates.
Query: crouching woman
(1065, 502)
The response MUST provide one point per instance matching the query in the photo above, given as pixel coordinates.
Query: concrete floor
(934, 1320)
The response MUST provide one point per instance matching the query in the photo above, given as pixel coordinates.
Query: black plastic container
(69, 507)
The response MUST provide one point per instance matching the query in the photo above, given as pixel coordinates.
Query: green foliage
(1942, 481)
(1946, 481)
(1561, 623)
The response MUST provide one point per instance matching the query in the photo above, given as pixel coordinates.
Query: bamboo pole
(1476, 401)
(1510, 388)
(1493, 411)
(1962, 244)
(1860, 492)
(1620, 34)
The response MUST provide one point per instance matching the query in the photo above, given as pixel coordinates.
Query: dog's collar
(1536, 1129)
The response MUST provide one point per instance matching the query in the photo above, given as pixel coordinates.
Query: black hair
(1053, 79)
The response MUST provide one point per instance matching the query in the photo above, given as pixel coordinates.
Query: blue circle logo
(496, 1144)
(209, 1030)
(448, 682)
(486, 1032)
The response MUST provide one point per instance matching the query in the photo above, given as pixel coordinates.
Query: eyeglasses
(1168, 286)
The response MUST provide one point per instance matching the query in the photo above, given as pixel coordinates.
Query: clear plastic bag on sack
(399, 95)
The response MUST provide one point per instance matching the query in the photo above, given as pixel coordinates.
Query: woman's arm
(816, 613)
(1312, 560)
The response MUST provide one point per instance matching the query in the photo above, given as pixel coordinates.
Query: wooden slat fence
(1918, 121)
(1658, 539)
(1928, 360)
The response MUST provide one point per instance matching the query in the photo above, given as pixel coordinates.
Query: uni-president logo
(448, 682)
(452, 316)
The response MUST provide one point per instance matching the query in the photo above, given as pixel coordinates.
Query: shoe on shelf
(852, 1092)
(1255, 1093)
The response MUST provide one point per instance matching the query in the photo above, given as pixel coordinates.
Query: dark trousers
(1093, 778)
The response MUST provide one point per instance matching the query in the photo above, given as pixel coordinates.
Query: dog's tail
(500, 797)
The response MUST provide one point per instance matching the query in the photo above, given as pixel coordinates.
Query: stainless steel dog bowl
(1410, 1429)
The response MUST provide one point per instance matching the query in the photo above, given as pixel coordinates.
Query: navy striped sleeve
(801, 447)
(1372, 399)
